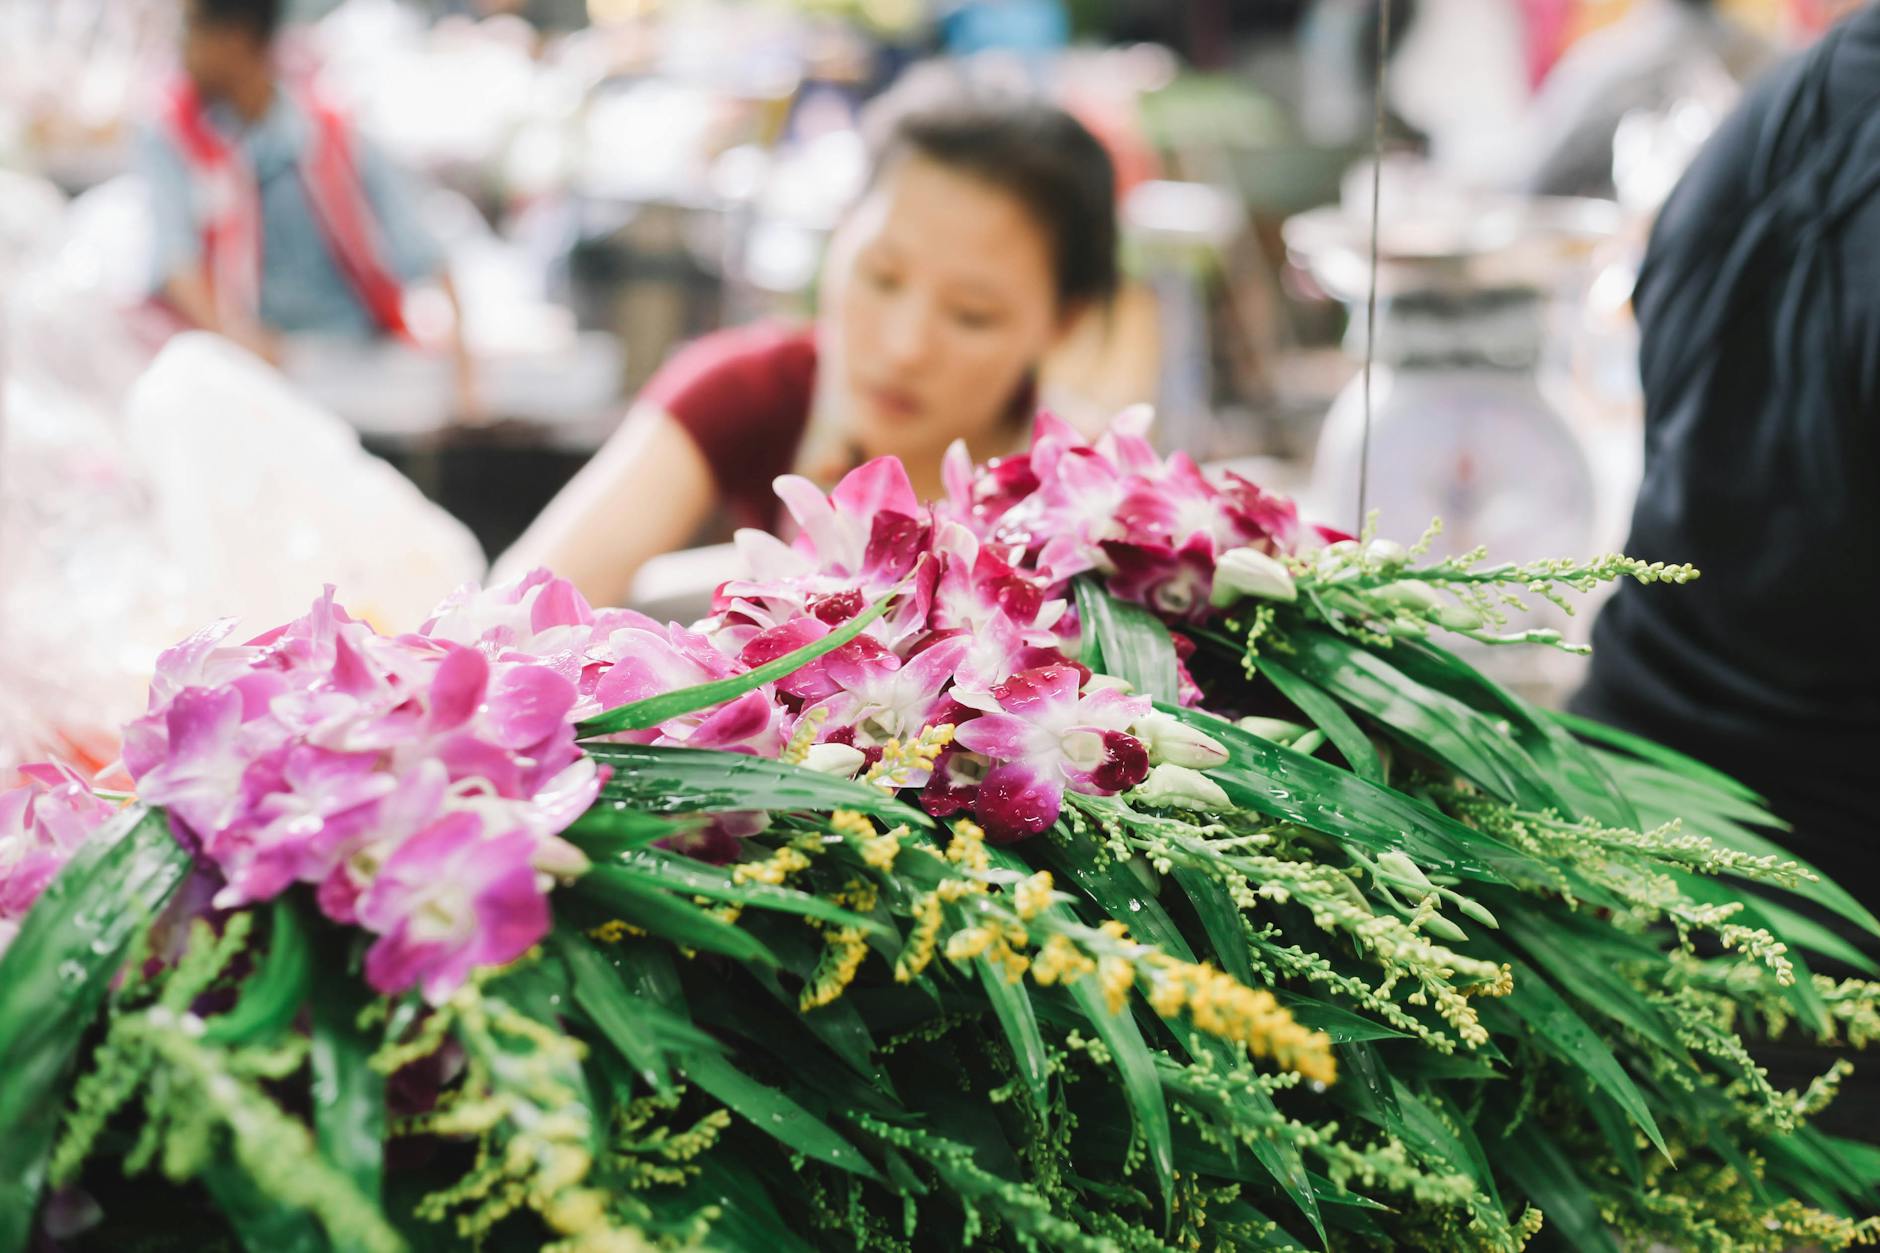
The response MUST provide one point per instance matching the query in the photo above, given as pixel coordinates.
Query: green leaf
(1574, 770)
(682, 780)
(348, 1094)
(1141, 1086)
(1326, 714)
(1116, 889)
(1220, 918)
(273, 995)
(54, 978)
(776, 1115)
(617, 1015)
(1344, 1026)
(656, 709)
(1430, 721)
(660, 869)
(1548, 939)
(605, 831)
(1011, 1004)
(1134, 644)
(1662, 796)
(261, 1223)
(1560, 1030)
(1541, 1170)
(1804, 932)
(665, 915)
(1267, 778)
(1639, 746)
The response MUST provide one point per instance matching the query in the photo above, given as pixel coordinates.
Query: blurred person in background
(987, 227)
(272, 216)
(1758, 307)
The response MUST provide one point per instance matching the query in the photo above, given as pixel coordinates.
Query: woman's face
(942, 294)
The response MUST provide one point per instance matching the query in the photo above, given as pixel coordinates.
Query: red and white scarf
(232, 227)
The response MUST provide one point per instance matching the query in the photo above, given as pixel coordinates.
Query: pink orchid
(647, 661)
(448, 900)
(854, 546)
(43, 821)
(879, 697)
(1041, 736)
(1173, 582)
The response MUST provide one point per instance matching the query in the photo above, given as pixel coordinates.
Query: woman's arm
(644, 493)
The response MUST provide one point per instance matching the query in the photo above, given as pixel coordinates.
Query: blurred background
(609, 179)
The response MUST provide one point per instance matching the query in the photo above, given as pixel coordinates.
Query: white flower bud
(1385, 552)
(1244, 572)
(1172, 740)
(842, 760)
(1458, 617)
(1400, 869)
(1108, 683)
(1178, 787)
(1415, 595)
(1278, 730)
(1443, 929)
(1477, 911)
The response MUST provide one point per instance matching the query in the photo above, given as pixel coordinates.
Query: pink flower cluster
(418, 782)
(42, 823)
(979, 635)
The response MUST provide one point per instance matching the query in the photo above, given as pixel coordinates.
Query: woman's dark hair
(256, 18)
(1031, 150)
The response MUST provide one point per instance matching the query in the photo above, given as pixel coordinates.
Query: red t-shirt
(743, 395)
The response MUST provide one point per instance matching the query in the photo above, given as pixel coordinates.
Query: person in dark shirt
(1759, 315)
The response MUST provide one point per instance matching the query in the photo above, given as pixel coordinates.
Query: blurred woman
(985, 230)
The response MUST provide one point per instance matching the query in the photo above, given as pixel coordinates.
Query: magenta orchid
(317, 752)
(1042, 735)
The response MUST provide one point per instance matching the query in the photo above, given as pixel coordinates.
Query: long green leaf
(1541, 1170)
(261, 1223)
(1221, 919)
(348, 1094)
(601, 996)
(53, 979)
(776, 1115)
(1011, 1004)
(665, 915)
(682, 780)
(1639, 746)
(1804, 932)
(1548, 940)
(1560, 1030)
(1329, 716)
(1432, 722)
(660, 869)
(1341, 1024)
(1269, 779)
(1135, 645)
(1574, 770)
(654, 710)
(273, 995)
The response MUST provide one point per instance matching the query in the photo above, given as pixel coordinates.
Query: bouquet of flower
(1097, 859)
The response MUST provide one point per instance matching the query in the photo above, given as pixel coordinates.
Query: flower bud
(1172, 740)
(1245, 572)
(1400, 869)
(1109, 683)
(1443, 929)
(1278, 730)
(1458, 617)
(1178, 787)
(1385, 552)
(1477, 911)
(842, 760)
(1414, 595)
